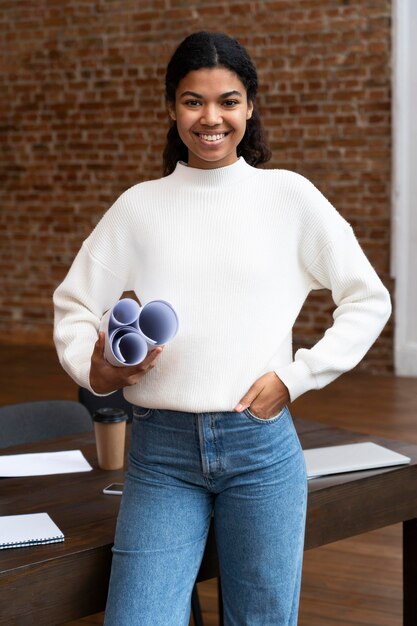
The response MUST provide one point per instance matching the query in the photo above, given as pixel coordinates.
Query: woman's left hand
(267, 396)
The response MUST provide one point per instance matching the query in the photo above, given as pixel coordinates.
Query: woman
(236, 250)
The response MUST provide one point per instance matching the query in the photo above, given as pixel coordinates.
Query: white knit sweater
(235, 250)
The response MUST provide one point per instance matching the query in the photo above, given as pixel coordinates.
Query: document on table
(18, 531)
(350, 458)
(43, 463)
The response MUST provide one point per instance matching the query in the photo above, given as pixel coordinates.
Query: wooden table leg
(410, 572)
(196, 608)
(220, 601)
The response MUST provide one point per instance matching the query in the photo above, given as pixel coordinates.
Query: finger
(146, 363)
(99, 345)
(136, 372)
(101, 341)
(153, 354)
(248, 398)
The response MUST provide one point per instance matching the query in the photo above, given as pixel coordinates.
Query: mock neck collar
(217, 177)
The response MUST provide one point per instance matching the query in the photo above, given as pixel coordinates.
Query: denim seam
(270, 420)
(218, 466)
(143, 416)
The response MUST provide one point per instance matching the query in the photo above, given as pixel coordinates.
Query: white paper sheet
(43, 463)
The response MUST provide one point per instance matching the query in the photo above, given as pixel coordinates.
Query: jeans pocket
(269, 420)
(142, 413)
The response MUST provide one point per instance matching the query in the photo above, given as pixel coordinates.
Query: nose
(211, 115)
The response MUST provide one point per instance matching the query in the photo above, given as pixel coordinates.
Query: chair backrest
(115, 400)
(34, 421)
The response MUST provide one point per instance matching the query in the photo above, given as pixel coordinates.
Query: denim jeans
(184, 467)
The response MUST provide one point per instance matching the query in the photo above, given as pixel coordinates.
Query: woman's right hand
(106, 378)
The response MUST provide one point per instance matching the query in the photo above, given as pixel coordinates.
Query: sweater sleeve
(362, 309)
(94, 283)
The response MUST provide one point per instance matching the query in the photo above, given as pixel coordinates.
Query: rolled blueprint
(158, 322)
(131, 330)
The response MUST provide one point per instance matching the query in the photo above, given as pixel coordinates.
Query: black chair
(116, 400)
(29, 422)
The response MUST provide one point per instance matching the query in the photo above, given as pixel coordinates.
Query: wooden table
(59, 582)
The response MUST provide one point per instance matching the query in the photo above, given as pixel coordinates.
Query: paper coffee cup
(110, 434)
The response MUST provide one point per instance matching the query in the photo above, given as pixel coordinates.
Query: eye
(230, 103)
(192, 103)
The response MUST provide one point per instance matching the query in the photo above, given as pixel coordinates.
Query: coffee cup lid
(109, 415)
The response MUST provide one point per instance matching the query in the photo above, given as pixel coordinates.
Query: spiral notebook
(18, 531)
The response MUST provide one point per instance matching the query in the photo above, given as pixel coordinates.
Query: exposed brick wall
(83, 117)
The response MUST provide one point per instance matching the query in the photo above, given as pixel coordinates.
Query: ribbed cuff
(297, 377)
(83, 378)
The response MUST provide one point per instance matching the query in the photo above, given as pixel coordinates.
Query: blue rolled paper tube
(158, 322)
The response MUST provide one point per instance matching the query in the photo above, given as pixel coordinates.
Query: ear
(250, 110)
(171, 111)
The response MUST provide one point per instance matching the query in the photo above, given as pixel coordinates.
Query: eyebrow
(223, 95)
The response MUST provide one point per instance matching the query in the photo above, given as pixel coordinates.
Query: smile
(211, 137)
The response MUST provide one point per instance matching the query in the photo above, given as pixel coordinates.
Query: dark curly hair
(207, 50)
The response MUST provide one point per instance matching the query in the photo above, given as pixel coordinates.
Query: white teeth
(212, 137)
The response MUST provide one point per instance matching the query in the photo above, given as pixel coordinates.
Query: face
(211, 110)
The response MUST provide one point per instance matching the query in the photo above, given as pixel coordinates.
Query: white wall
(404, 195)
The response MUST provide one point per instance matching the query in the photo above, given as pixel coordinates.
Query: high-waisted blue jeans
(183, 467)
